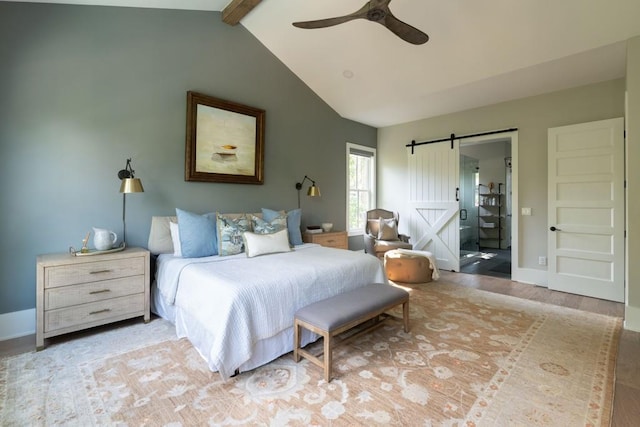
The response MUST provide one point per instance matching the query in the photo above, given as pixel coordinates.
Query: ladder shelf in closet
(490, 220)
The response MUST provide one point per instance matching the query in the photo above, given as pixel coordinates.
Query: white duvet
(226, 305)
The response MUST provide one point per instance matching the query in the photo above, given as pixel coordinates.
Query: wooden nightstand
(332, 239)
(79, 292)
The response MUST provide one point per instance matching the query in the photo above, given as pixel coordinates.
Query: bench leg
(328, 356)
(296, 341)
(405, 315)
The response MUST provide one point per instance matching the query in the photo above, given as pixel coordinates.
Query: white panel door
(586, 209)
(434, 223)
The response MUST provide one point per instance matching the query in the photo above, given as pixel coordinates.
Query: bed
(238, 311)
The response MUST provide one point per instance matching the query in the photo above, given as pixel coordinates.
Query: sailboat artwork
(226, 153)
(225, 141)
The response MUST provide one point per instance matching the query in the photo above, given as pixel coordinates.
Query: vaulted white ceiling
(480, 52)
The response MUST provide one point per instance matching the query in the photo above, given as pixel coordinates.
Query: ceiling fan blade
(329, 22)
(322, 23)
(374, 11)
(403, 30)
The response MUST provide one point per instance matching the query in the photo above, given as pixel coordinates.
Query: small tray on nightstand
(74, 252)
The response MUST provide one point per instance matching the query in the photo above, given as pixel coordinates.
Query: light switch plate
(526, 211)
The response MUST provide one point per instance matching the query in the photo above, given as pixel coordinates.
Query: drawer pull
(100, 272)
(99, 292)
(330, 241)
(106, 310)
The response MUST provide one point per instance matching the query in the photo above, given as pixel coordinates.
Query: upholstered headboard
(160, 235)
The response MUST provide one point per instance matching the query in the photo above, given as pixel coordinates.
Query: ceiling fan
(375, 11)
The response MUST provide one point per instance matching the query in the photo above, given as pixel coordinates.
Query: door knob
(552, 228)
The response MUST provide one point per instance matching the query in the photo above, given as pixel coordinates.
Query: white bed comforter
(224, 305)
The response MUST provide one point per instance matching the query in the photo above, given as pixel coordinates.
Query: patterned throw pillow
(230, 234)
(260, 226)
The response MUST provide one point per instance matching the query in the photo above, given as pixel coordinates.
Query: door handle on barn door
(552, 228)
(457, 194)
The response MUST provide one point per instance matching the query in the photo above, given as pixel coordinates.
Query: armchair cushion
(381, 246)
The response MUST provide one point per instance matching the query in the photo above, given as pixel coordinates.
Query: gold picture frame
(225, 141)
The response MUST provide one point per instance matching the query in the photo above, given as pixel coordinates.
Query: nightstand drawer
(66, 296)
(96, 312)
(332, 239)
(94, 271)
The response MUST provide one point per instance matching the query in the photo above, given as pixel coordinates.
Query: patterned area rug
(472, 358)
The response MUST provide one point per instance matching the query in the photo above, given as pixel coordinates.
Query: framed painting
(225, 141)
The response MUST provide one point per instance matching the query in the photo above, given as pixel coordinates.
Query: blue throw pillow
(293, 223)
(198, 237)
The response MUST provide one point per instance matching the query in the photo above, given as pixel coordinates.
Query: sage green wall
(83, 88)
(532, 116)
(632, 312)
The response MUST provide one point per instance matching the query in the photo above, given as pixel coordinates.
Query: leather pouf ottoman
(407, 268)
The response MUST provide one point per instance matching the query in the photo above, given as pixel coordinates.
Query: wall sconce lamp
(129, 184)
(313, 191)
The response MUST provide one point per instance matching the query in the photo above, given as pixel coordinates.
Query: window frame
(372, 185)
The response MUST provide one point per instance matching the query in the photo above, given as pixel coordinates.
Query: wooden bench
(340, 313)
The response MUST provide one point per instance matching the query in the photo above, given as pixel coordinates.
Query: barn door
(434, 223)
(586, 209)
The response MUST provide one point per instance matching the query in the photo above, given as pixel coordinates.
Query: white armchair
(381, 233)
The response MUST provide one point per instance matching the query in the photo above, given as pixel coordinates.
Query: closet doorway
(486, 201)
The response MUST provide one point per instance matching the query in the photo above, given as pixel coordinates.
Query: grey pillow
(388, 229)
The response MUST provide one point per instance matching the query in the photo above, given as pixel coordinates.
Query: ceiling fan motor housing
(376, 15)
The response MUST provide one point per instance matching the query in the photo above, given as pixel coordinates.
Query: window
(361, 186)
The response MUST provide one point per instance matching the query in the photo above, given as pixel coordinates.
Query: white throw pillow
(262, 244)
(175, 237)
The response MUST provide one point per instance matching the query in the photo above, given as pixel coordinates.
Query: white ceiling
(479, 52)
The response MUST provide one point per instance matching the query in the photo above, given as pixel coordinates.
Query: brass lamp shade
(313, 191)
(128, 184)
(131, 185)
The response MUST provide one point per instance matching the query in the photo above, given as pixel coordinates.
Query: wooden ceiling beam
(237, 9)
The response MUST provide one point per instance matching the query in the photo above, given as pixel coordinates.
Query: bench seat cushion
(334, 312)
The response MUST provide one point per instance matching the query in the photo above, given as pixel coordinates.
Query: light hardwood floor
(626, 403)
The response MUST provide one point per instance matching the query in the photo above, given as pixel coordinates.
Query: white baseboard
(17, 324)
(530, 276)
(632, 318)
